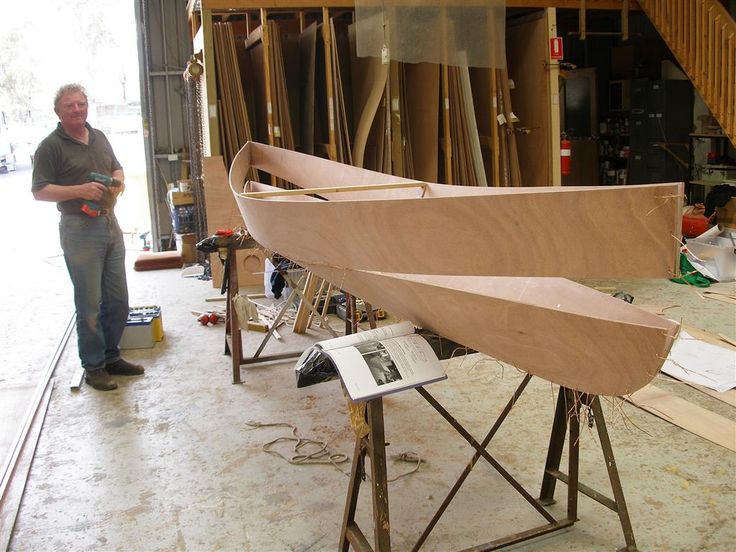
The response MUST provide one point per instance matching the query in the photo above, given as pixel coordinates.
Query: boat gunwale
(430, 187)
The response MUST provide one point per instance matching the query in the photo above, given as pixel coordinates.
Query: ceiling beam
(220, 5)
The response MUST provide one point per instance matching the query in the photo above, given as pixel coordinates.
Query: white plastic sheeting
(469, 33)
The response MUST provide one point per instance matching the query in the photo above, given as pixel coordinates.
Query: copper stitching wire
(665, 202)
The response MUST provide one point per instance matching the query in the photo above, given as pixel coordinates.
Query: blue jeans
(94, 252)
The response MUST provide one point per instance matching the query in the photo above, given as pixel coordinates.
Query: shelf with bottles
(614, 127)
(613, 149)
(613, 173)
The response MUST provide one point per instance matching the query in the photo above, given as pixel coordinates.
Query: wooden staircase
(702, 36)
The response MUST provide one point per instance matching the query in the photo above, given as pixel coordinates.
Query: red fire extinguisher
(565, 159)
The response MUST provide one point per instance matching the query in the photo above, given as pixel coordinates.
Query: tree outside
(93, 42)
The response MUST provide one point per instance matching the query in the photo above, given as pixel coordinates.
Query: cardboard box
(186, 244)
(177, 198)
(251, 264)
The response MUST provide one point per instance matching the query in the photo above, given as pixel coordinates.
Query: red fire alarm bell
(555, 48)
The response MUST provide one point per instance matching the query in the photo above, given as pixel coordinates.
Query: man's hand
(119, 175)
(92, 191)
(117, 190)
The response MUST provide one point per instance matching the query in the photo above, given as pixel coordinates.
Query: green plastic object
(690, 276)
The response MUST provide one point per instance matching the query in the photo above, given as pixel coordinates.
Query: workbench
(233, 337)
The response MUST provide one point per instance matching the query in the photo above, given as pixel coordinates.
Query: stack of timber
(309, 92)
(467, 165)
(306, 90)
(235, 128)
(339, 57)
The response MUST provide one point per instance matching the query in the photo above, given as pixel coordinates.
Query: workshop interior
(403, 275)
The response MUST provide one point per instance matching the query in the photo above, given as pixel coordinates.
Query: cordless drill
(90, 208)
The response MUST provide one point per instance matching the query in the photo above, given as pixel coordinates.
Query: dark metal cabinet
(661, 120)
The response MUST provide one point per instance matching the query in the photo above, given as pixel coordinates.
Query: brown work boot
(122, 367)
(100, 379)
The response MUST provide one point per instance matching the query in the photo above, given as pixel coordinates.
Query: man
(91, 239)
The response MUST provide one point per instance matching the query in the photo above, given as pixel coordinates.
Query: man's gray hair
(67, 88)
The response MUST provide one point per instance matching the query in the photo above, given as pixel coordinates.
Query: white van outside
(7, 154)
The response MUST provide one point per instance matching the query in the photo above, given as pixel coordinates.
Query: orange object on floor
(694, 225)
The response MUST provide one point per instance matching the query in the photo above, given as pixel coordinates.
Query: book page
(699, 362)
(385, 332)
(375, 368)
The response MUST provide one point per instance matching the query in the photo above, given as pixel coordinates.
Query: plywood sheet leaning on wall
(527, 52)
(222, 212)
(235, 125)
(341, 84)
(307, 59)
(484, 103)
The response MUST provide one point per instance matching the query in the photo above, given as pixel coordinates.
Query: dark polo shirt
(62, 160)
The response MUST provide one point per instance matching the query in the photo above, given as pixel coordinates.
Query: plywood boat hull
(591, 232)
(480, 266)
(551, 327)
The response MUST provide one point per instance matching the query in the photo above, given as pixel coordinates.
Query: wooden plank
(317, 298)
(302, 312)
(340, 61)
(307, 58)
(514, 168)
(699, 47)
(230, 5)
(692, 418)
(553, 110)
(329, 86)
(692, 35)
(447, 141)
(505, 180)
(268, 87)
(529, 67)
(581, 19)
(715, 57)
(222, 212)
(709, 76)
(723, 70)
(495, 145)
(731, 80)
(423, 90)
(210, 83)
(728, 397)
(472, 128)
(397, 156)
(334, 189)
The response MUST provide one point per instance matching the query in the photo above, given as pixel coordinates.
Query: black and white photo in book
(372, 363)
(379, 362)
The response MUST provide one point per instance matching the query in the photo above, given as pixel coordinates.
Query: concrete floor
(168, 462)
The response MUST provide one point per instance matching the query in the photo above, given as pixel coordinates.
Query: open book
(375, 362)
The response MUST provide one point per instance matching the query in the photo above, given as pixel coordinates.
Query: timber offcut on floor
(182, 459)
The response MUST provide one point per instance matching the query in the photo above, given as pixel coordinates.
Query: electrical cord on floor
(322, 454)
